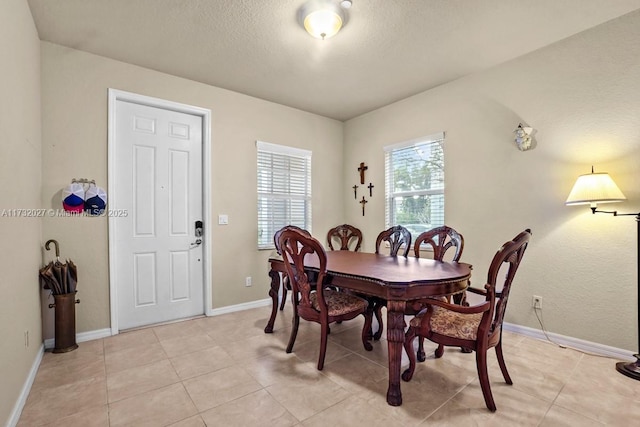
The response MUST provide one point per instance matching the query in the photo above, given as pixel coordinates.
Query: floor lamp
(594, 188)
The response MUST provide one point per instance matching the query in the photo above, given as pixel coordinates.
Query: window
(284, 190)
(414, 182)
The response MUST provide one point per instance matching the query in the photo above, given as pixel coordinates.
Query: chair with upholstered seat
(397, 237)
(347, 235)
(286, 286)
(441, 240)
(312, 301)
(477, 328)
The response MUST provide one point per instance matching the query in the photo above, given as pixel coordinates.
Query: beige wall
(581, 96)
(74, 102)
(20, 243)
(577, 94)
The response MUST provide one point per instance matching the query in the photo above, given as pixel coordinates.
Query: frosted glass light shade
(322, 24)
(322, 18)
(594, 188)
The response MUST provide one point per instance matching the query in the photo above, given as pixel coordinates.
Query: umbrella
(58, 277)
(72, 276)
(48, 279)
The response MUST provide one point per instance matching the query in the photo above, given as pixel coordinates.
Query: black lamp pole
(631, 369)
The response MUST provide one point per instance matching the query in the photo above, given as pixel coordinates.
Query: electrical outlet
(247, 281)
(536, 302)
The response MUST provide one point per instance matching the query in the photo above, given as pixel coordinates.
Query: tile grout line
(564, 384)
(106, 387)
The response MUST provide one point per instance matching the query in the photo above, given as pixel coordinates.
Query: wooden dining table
(398, 280)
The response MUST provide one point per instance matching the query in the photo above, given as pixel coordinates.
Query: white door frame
(205, 114)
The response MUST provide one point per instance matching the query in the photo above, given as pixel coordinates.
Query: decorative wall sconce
(594, 188)
(523, 137)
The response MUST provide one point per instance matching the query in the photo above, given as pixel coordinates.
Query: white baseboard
(587, 346)
(26, 389)
(239, 307)
(82, 337)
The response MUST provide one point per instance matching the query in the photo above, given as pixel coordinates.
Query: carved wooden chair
(397, 236)
(477, 328)
(347, 235)
(312, 301)
(441, 239)
(285, 279)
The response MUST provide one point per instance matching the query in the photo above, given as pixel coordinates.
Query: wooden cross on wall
(361, 169)
(362, 202)
(355, 192)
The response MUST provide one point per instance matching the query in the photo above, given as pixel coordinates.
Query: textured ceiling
(387, 51)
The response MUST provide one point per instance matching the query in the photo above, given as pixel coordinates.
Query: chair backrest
(295, 245)
(509, 256)
(277, 234)
(346, 234)
(396, 236)
(441, 240)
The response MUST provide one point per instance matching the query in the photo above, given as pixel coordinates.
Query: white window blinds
(414, 184)
(284, 190)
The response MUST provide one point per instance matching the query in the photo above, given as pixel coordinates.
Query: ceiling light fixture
(323, 18)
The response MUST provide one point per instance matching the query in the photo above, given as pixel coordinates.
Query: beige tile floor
(225, 371)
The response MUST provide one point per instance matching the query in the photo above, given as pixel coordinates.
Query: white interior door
(158, 254)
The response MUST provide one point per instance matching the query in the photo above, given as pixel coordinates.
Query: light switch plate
(223, 219)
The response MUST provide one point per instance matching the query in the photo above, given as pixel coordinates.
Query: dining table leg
(273, 293)
(395, 340)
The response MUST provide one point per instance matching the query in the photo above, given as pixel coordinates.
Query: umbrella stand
(61, 279)
(65, 322)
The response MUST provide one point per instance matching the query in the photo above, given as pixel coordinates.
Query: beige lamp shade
(594, 188)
